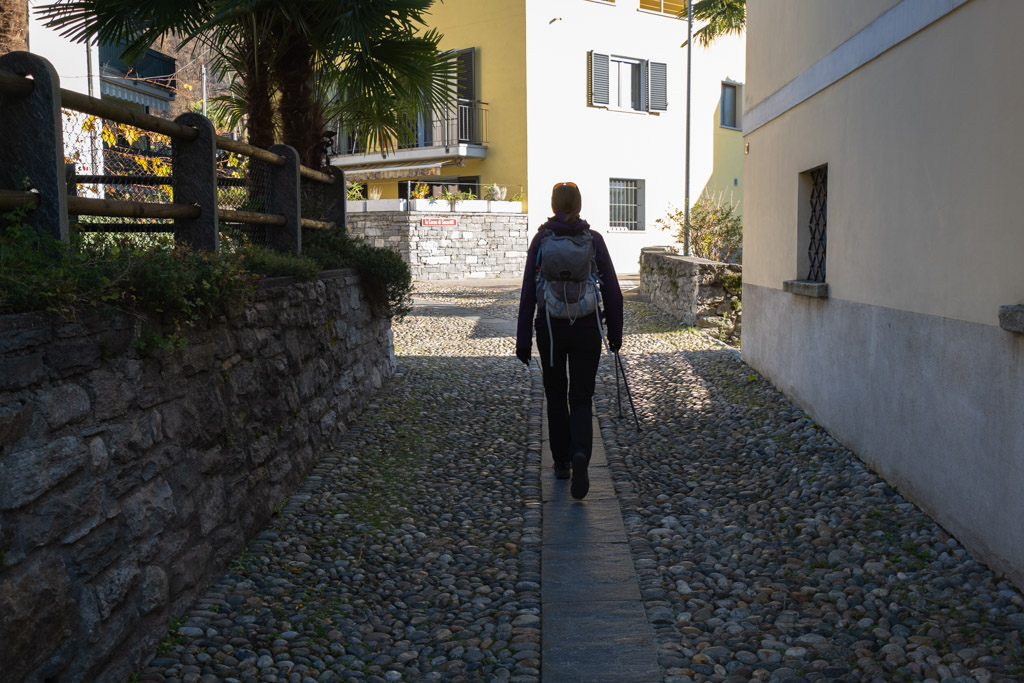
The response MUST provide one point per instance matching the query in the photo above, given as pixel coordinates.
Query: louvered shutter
(597, 77)
(657, 86)
(467, 75)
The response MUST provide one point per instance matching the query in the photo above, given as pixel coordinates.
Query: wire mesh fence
(108, 160)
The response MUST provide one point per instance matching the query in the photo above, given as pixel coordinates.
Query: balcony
(446, 140)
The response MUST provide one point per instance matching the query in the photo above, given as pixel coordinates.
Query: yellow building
(592, 91)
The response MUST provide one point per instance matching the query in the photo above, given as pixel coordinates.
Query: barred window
(625, 204)
(817, 223)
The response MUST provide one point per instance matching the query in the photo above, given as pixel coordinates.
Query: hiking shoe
(561, 470)
(580, 481)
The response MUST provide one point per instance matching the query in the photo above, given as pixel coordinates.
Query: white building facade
(606, 109)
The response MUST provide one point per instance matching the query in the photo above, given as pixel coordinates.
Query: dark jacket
(610, 292)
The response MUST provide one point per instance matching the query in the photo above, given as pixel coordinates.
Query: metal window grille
(624, 204)
(818, 223)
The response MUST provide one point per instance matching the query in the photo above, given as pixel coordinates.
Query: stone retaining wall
(479, 245)
(127, 483)
(697, 291)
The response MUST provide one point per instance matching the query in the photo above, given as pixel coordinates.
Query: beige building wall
(905, 361)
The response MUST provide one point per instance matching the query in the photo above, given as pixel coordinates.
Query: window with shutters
(729, 107)
(625, 204)
(671, 7)
(626, 83)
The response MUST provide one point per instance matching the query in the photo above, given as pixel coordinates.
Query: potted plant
(375, 203)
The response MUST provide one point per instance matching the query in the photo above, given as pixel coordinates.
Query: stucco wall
(905, 362)
(478, 246)
(126, 483)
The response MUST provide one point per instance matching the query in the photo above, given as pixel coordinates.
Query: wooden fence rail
(30, 113)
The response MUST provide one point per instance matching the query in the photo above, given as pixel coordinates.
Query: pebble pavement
(765, 550)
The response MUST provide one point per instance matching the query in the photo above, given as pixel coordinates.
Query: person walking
(573, 341)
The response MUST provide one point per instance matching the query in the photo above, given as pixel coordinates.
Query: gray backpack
(567, 280)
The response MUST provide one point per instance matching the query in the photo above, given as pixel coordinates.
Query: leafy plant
(375, 192)
(354, 191)
(386, 278)
(420, 191)
(716, 231)
(465, 196)
(519, 196)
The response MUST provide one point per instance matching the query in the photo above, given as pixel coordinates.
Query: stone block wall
(480, 245)
(698, 292)
(127, 483)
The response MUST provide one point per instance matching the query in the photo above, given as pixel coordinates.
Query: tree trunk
(13, 25)
(302, 124)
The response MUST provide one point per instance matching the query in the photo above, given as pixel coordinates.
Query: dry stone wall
(127, 483)
(698, 292)
(478, 245)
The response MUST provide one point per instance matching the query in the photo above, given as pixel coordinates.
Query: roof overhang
(387, 171)
(456, 154)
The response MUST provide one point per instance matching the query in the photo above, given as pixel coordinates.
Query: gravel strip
(411, 552)
(767, 551)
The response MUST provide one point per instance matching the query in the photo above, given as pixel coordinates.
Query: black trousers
(570, 429)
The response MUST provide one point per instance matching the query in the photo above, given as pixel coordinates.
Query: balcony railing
(466, 124)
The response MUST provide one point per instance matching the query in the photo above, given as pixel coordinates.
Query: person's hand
(614, 345)
(523, 354)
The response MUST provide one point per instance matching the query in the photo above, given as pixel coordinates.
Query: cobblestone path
(764, 549)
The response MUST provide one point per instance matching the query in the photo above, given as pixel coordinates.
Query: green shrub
(386, 278)
(716, 231)
(169, 286)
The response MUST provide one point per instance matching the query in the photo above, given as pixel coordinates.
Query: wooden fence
(32, 166)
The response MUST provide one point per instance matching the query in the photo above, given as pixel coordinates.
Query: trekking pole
(618, 396)
(629, 395)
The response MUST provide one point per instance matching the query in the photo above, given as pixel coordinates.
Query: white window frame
(617, 213)
(738, 89)
(638, 67)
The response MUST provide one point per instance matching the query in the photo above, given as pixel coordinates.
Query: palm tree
(13, 25)
(293, 59)
(722, 16)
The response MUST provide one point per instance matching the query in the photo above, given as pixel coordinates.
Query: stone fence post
(285, 199)
(33, 145)
(194, 166)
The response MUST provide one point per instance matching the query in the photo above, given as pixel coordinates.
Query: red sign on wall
(439, 221)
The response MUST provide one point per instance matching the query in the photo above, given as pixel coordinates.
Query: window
(729, 106)
(673, 7)
(626, 83)
(626, 204)
(814, 219)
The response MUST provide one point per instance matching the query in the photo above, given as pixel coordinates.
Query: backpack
(566, 276)
(567, 279)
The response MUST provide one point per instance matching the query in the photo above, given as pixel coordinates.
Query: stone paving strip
(412, 551)
(765, 551)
